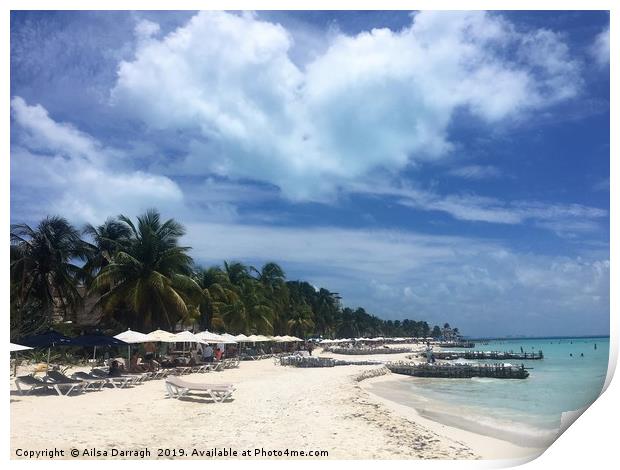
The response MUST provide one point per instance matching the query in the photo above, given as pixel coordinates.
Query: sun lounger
(93, 383)
(90, 384)
(139, 376)
(201, 367)
(178, 388)
(118, 381)
(161, 373)
(216, 366)
(27, 383)
(61, 382)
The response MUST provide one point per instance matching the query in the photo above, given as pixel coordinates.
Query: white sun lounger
(178, 388)
(116, 381)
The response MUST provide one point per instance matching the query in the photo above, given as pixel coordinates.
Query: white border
(589, 444)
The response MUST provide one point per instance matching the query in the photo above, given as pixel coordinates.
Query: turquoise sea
(525, 412)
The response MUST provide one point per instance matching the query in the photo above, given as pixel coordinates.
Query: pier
(460, 371)
(500, 355)
(455, 344)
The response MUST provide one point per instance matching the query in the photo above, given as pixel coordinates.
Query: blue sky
(439, 166)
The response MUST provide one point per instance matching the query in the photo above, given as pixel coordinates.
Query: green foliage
(149, 276)
(44, 273)
(143, 279)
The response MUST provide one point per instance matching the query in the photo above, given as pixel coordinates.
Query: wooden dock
(460, 371)
(499, 355)
(455, 344)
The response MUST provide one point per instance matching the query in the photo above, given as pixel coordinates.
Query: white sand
(273, 408)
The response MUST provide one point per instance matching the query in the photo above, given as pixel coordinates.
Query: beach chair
(90, 384)
(139, 377)
(178, 388)
(27, 383)
(95, 383)
(161, 373)
(116, 382)
(216, 366)
(182, 370)
(60, 382)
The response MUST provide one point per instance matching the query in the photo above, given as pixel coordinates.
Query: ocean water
(525, 412)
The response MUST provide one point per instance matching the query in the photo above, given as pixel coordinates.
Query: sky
(439, 166)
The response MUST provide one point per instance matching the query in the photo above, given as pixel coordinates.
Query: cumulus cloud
(57, 168)
(380, 99)
(600, 48)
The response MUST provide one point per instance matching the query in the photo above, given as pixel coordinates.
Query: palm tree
(300, 322)
(43, 267)
(107, 239)
(150, 275)
(273, 281)
(327, 309)
(217, 295)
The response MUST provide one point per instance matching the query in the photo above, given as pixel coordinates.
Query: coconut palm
(300, 322)
(150, 275)
(217, 295)
(43, 266)
(272, 279)
(107, 239)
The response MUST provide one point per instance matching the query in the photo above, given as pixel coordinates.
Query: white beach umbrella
(161, 336)
(14, 348)
(214, 338)
(241, 338)
(230, 339)
(17, 347)
(132, 337)
(186, 337)
(258, 338)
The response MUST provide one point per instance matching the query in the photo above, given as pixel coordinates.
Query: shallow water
(525, 412)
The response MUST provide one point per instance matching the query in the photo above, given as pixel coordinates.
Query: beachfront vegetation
(137, 275)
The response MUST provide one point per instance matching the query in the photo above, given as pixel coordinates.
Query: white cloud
(379, 99)
(42, 132)
(56, 168)
(479, 285)
(600, 48)
(476, 172)
(562, 218)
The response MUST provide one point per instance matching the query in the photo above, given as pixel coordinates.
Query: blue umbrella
(96, 339)
(46, 340)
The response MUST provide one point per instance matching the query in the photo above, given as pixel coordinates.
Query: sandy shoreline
(274, 408)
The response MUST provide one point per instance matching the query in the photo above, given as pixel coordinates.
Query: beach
(275, 409)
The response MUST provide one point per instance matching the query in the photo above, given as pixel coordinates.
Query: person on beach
(218, 354)
(135, 364)
(430, 358)
(207, 354)
(115, 370)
